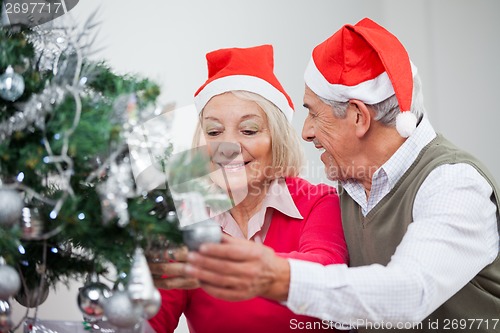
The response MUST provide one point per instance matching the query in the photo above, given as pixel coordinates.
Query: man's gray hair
(387, 110)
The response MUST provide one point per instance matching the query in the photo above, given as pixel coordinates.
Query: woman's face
(239, 143)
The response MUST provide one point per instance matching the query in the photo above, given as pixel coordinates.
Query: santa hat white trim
(370, 92)
(244, 82)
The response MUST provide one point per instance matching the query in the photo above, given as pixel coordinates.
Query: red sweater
(318, 237)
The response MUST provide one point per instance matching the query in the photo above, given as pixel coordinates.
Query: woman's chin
(232, 184)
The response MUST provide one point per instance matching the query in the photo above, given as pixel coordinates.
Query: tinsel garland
(64, 148)
(88, 181)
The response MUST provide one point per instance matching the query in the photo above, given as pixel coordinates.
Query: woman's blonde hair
(287, 153)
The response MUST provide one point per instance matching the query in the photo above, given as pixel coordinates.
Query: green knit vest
(374, 238)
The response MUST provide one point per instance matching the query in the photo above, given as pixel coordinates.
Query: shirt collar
(279, 197)
(394, 168)
(404, 157)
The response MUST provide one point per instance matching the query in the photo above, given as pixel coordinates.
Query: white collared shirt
(278, 197)
(453, 236)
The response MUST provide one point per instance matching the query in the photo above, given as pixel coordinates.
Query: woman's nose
(225, 152)
(229, 149)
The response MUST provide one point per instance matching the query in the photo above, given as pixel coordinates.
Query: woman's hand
(170, 275)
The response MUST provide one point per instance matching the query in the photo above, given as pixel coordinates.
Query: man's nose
(308, 131)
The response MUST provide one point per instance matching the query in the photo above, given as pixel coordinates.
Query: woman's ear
(362, 117)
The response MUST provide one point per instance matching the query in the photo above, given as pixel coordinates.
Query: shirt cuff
(309, 283)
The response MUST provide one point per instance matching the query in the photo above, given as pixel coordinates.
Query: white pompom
(406, 122)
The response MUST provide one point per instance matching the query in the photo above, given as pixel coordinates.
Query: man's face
(332, 134)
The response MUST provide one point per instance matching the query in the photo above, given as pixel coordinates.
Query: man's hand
(171, 275)
(238, 269)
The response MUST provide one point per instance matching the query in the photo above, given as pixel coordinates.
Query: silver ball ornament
(10, 283)
(31, 298)
(5, 320)
(121, 311)
(11, 85)
(91, 299)
(207, 231)
(11, 205)
(152, 306)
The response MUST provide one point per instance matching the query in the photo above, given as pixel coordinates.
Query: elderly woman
(255, 156)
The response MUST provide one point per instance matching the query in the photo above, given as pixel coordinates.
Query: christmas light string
(84, 121)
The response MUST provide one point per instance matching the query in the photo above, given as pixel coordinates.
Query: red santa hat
(364, 62)
(249, 69)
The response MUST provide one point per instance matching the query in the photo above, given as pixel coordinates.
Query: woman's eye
(249, 132)
(213, 133)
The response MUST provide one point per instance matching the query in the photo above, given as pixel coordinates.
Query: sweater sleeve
(322, 237)
(173, 304)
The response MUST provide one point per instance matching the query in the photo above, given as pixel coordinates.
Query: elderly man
(420, 216)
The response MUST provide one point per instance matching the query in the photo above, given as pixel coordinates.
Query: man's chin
(331, 172)
(332, 178)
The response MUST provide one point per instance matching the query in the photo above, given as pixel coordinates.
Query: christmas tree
(71, 206)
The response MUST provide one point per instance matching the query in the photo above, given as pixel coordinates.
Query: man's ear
(362, 117)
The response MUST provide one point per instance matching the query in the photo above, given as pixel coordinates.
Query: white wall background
(454, 43)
